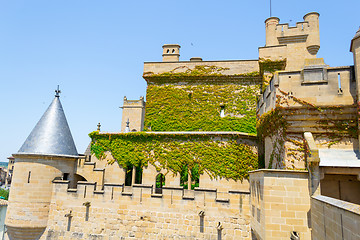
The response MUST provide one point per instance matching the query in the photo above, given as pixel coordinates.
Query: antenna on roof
(57, 92)
(270, 9)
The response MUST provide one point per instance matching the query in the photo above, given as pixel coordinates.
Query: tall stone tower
(48, 153)
(134, 111)
(294, 43)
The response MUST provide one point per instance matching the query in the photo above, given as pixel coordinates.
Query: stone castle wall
(280, 204)
(334, 219)
(138, 213)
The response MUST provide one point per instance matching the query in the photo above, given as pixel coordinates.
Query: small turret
(171, 52)
(270, 27)
(313, 40)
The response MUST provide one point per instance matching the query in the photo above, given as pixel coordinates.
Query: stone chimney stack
(171, 52)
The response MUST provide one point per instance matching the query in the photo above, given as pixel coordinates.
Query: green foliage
(4, 193)
(174, 152)
(197, 108)
(195, 176)
(267, 65)
(271, 122)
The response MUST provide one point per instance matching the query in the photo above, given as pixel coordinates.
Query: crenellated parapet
(140, 212)
(294, 43)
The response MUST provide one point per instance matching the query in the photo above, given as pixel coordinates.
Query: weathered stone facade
(132, 185)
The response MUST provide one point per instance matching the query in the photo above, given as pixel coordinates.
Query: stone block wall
(232, 66)
(279, 204)
(333, 219)
(142, 214)
(134, 111)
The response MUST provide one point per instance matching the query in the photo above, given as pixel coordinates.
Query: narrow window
(128, 175)
(133, 175)
(339, 84)
(173, 50)
(222, 111)
(29, 176)
(159, 183)
(69, 221)
(219, 230)
(87, 205)
(201, 215)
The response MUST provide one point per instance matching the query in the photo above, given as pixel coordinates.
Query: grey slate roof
(51, 135)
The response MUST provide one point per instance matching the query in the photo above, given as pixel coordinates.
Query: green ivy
(4, 193)
(225, 158)
(197, 108)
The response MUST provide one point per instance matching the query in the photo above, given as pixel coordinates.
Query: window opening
(159, 183)
(131, 172)
(222, 111)
(339, 84)
(193, 179)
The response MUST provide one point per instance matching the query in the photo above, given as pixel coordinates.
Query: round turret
(270, 26)
(313, 40)
(48, 153)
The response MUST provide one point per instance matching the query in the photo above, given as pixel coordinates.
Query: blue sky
(95, 51)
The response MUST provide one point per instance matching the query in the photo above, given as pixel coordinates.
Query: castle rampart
(140, 213)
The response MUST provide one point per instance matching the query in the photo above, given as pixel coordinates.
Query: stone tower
(171, 52)
(294, 43)
(134, 111)
(48, 153)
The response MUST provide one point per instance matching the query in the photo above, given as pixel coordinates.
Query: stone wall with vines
(285, 125)
(192, 100)
(226, 157)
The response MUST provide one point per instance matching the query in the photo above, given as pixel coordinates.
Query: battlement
(113, 191)
(137, 211)
(295, 43)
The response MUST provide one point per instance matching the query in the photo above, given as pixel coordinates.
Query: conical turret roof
(51, 135)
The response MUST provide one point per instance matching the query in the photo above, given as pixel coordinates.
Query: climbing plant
(219, 158)
(275, 124)
(197, 108)
(267, 69)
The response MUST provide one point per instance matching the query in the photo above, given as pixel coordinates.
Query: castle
(240, 149)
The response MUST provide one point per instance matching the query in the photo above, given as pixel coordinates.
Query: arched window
(193, 178)
(159, 183)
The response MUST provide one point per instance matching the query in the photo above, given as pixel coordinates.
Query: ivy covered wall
(192, 101)
(230, 156)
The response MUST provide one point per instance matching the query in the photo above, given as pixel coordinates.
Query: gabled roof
(51, 135)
